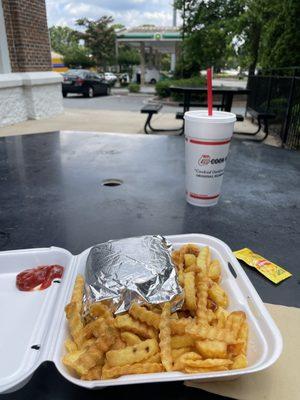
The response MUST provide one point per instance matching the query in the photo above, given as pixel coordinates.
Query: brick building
(25, 63)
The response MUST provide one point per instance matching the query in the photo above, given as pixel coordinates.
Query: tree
(128, 57)
(99, 37)
(78, 56)
(62, 38)
(207, 33)
(250, 27)
(281, 42)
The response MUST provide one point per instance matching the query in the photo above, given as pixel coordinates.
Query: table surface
(216, 89)
(51, 194)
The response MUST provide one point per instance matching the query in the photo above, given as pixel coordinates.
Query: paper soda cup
(207, 140)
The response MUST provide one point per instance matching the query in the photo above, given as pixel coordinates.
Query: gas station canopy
(151, 39)
(161, 38)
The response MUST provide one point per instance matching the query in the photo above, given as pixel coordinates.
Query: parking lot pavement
(113, 103)
(124, 103)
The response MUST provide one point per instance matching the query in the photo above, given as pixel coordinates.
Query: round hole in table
(111, 182)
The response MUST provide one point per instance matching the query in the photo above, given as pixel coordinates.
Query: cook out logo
(205, 159)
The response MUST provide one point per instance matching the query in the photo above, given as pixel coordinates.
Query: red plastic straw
(209, 91)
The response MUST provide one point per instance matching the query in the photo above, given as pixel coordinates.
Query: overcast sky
(126, 12)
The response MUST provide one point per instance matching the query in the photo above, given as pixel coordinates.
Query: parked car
(85, 82)
(110, 78)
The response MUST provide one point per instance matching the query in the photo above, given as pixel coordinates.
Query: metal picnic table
(51, 193)
(227, 93)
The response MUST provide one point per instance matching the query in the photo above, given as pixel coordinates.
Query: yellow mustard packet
(270, 270)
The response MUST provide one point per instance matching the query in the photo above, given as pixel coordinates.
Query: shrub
(163, 87)
(134, 87)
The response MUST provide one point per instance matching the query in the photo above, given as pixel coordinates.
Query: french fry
(165, 337)
(176, 257)
(235, 349)
(192, 268)
(180, 275)
(203, 259)
(221, 315)
(179, 352)
(78, 292)
(239, 362)
(211, 306)
(138, 368)
(212, 348)
(218, 295)
(71, 361)
(182, 360)
(130, 338)
(75, 323)
(208, 363)
(243, 336)
(119, 344)
(70, 345)
(190, 370)
(189, 259)
(190, 291)
(179, 341)
(87, 343)
(107, 337)
(234, 322)
(132, 354)
(190, 248)
(141, 313)
(214, 270)
(153, 359)
(178, 325)
(90, 358)
(210, 332)
(83, 360)
(101, 310)
(93, 326)
(202, 295)
(93, 374)
(127, 323)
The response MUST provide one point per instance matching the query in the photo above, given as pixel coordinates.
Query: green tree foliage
(78, 57)
(99, 37)
(62, 38)
(248, 33)
(208, 31)
(127, 57)
(281, 40)
(249, 28)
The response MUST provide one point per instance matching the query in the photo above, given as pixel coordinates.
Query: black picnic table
(227, 93)
(51, 193)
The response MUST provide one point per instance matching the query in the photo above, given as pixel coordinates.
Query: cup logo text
(205, 159)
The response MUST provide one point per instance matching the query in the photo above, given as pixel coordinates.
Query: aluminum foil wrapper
(136, 269)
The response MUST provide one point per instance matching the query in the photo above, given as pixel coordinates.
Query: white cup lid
(216, 117)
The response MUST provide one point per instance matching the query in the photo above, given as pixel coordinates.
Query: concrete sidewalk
(107, 121)
(91, 120)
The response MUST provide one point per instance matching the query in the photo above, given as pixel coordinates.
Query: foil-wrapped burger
(138, 269)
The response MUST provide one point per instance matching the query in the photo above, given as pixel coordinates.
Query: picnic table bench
(262, 118)
(151, 109)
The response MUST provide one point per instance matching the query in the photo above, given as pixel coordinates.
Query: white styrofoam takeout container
(33, 326)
